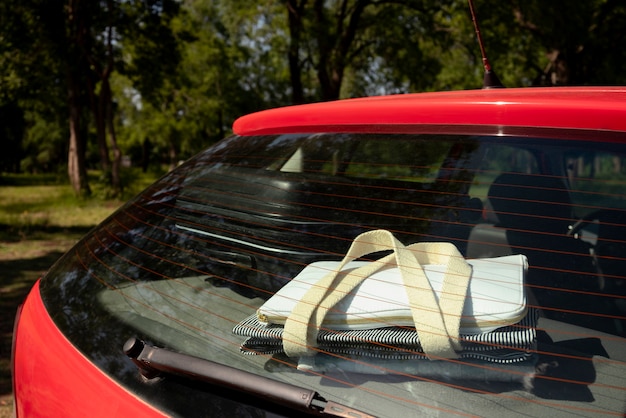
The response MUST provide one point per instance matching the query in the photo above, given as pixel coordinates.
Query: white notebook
(495, 296)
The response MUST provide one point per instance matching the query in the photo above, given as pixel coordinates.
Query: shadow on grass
(12, 234)
(32, 179)
(19, 270)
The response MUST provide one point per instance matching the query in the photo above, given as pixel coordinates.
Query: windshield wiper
(154, 361)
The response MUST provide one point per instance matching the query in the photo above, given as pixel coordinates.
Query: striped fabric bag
(421, 302)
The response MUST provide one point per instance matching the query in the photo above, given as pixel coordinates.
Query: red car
(454, 253)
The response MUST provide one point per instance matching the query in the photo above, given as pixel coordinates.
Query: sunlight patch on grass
(46, 206)
(27, 204)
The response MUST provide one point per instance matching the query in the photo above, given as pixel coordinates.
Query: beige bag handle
(437, 323)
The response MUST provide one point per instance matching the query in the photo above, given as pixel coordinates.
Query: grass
(40, 219)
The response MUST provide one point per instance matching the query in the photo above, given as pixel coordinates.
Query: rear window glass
(500, 159)
(597, 179)
(193, 264)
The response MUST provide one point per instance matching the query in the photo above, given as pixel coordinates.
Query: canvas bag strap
(436, 322)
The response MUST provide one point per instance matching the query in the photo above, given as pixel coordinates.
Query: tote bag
(421, 302)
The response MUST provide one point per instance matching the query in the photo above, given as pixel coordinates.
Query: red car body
(53, 378)
(565, 108)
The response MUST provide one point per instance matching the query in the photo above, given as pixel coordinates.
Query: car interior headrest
(531, 202)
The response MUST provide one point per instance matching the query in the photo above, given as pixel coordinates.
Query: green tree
(377, 42)
(539, 43)
(164, 78)
(229, 66)
(170, 115)
(137, 39)
(582, 40)
(11, 135)
(33, 89)
(81, 40)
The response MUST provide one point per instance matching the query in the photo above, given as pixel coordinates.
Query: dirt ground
(6, 406)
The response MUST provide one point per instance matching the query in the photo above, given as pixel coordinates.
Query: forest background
(106, 84)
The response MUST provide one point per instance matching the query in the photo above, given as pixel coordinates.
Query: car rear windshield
(532, 322)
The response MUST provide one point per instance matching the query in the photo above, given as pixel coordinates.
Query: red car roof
(559, 107)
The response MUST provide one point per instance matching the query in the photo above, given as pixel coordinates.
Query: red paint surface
(576, 107)
(53, 379)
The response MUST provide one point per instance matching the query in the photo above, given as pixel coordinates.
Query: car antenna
(491, 80)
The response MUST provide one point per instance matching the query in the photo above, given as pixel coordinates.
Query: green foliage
(183, 71)
(133, 181)
(44, 145)
(151, 47)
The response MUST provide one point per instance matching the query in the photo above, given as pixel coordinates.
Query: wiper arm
(154, 361)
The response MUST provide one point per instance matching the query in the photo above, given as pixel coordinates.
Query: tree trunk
(173, 155)
(76, 28)
(116, 182)
(102, 107)
(335, 45)
(99, 120)
(294, 14)
(76, 169)
(146, 150)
